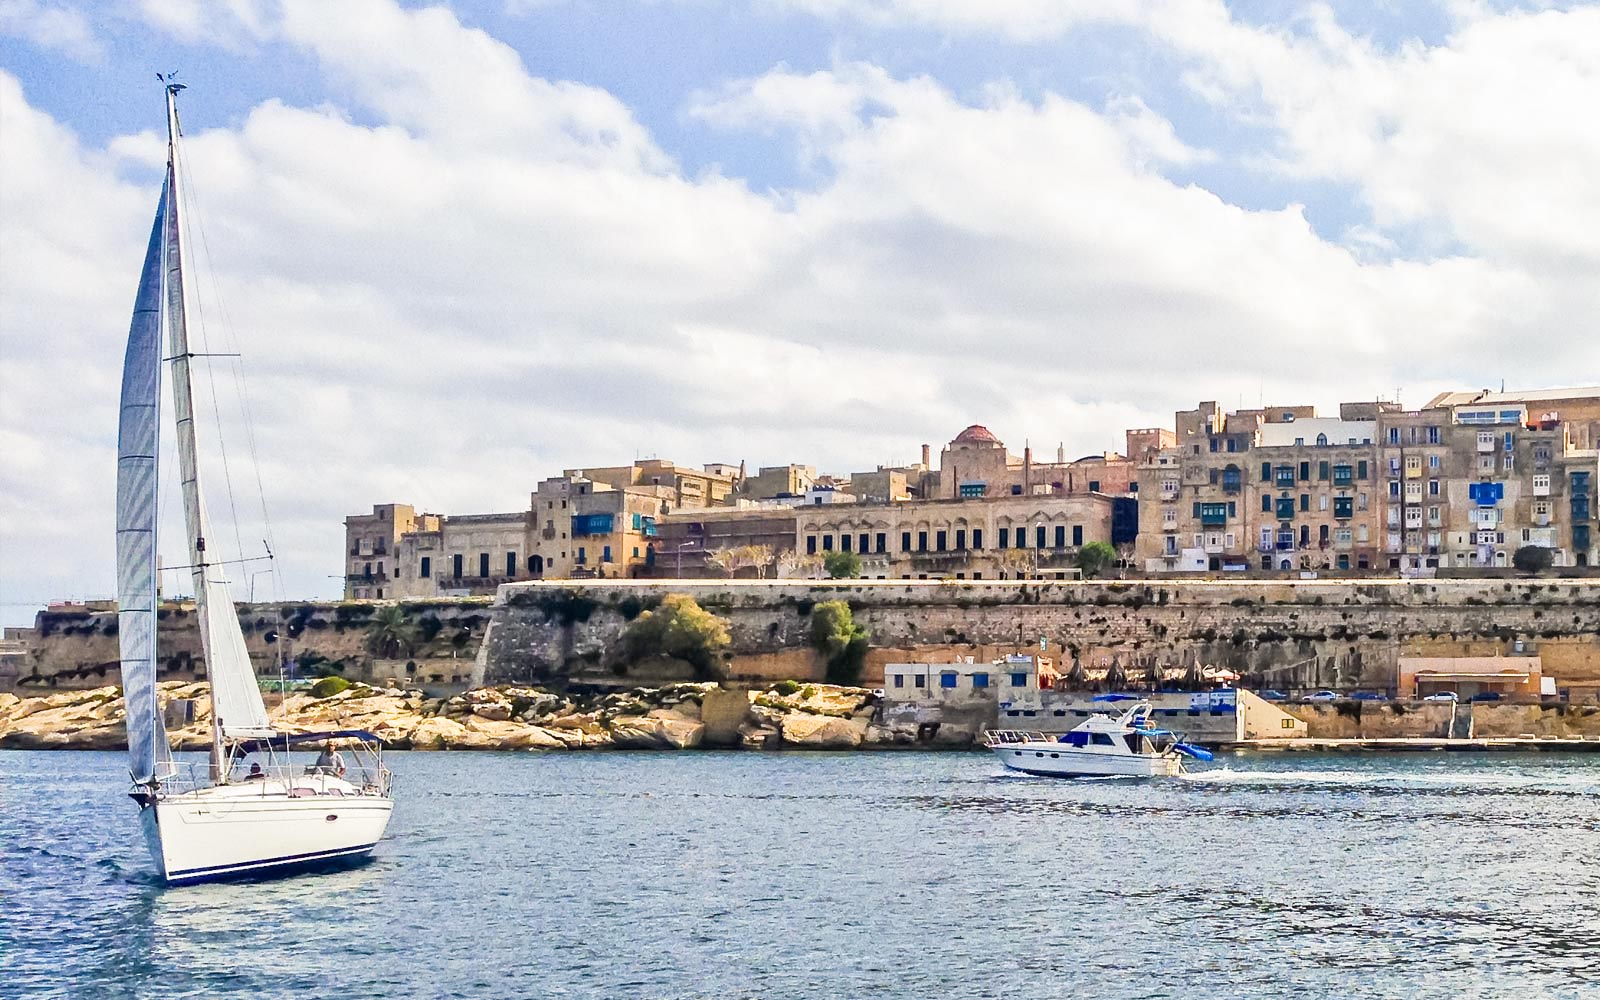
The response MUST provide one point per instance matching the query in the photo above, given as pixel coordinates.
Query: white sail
(137, 435)
(237, 708)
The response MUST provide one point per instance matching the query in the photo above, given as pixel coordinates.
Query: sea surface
(898, 875)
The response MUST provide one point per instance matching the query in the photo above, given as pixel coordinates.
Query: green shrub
(786, 688)
(328, 687)
(678, 628)
(836, 635)
(842, 565)
(1095, 557)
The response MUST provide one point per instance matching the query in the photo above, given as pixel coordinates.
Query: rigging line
(241, 385)
(205, 340)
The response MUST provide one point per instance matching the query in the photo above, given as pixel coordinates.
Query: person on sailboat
(255, 774)
(330, 761)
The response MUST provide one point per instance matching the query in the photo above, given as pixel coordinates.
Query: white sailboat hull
(218, 833)
(1061, 760)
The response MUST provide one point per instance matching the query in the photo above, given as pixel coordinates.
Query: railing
(1001, 737)
(358, 771)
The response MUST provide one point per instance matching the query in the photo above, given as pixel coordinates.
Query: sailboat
(213, 820)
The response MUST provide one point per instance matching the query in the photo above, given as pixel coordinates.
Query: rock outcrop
(674, 717)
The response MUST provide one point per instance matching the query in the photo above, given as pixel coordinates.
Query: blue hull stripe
(288, 860)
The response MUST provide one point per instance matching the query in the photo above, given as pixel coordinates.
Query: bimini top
(289, 739)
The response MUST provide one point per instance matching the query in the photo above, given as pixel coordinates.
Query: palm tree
(389, 637)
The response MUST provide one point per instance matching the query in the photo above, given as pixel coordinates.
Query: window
(456, 565)
(980, 680)
(583, 555)
(827, 543)
(938, 541)
(899, 680)
(1266, 473)
(1019, 680)
(883, 542)
(1005, 538)
(811, 544)
(1022, 537)
(427, 568)
(605, 554)
(1361, 469)
(905, 541)
(864, 540)
(1322, 470)
(977, 538)
(922, 541)
(844, 542)
(1394, 435)
(1343, 507)
(1094, 484)
(1266, 503)
(1394, 487)
(1305, 501)
(1433, 487)
(1433, 435)
(483, 564)
(1077, 534)
(1433, 462)
(1305, 472)
(947, 679)
(1285, 509)
(1038, 536)
(1283, 475)
(1061, 536)
(961, 539)
(1100, 739)
(919, 680)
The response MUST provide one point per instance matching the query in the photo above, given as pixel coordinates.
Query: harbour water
(712, 875)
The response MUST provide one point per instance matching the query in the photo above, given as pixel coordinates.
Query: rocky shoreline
(786, 715)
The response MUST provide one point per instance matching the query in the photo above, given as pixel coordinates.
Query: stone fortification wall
(1275, 633)
(77, 648)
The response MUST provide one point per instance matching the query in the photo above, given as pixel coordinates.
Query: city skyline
(463, 247)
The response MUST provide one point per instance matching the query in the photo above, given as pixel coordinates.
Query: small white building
(966, 680)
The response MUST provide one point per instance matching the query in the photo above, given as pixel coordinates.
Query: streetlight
(691, 543)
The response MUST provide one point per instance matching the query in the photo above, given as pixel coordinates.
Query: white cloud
(51, 26)
(475, 277)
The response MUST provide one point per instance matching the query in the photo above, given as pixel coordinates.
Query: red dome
(976, 434)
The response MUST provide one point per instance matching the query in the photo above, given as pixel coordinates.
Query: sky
(464, 246)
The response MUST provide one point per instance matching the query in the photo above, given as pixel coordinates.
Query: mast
(236, 707)
(194, 515)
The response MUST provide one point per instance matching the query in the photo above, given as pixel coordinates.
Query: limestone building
(1005, 537)
(1472, 477)
(1276, 488)
(977, 464)
(371, 543)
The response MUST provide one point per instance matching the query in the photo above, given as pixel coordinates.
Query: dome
(976, 434)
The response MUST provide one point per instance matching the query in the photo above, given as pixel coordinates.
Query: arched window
(1322, 440)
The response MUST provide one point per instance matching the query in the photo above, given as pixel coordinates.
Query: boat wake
(1467, 780)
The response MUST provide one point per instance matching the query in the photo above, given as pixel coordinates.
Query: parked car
(1446, 696)
(1272, 695)
(1486, 696)
(1321, 696)
(1369, 696)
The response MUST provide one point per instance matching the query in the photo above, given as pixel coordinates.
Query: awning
(1499, 675)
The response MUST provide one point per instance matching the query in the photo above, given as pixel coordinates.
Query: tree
(836, 635)
(1531, 559)
(1094, 557)
(679, 628)
(389, 637)
(1017, 562)
(799, 565)
(725, 561)
(842, 565)
(761, 557)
